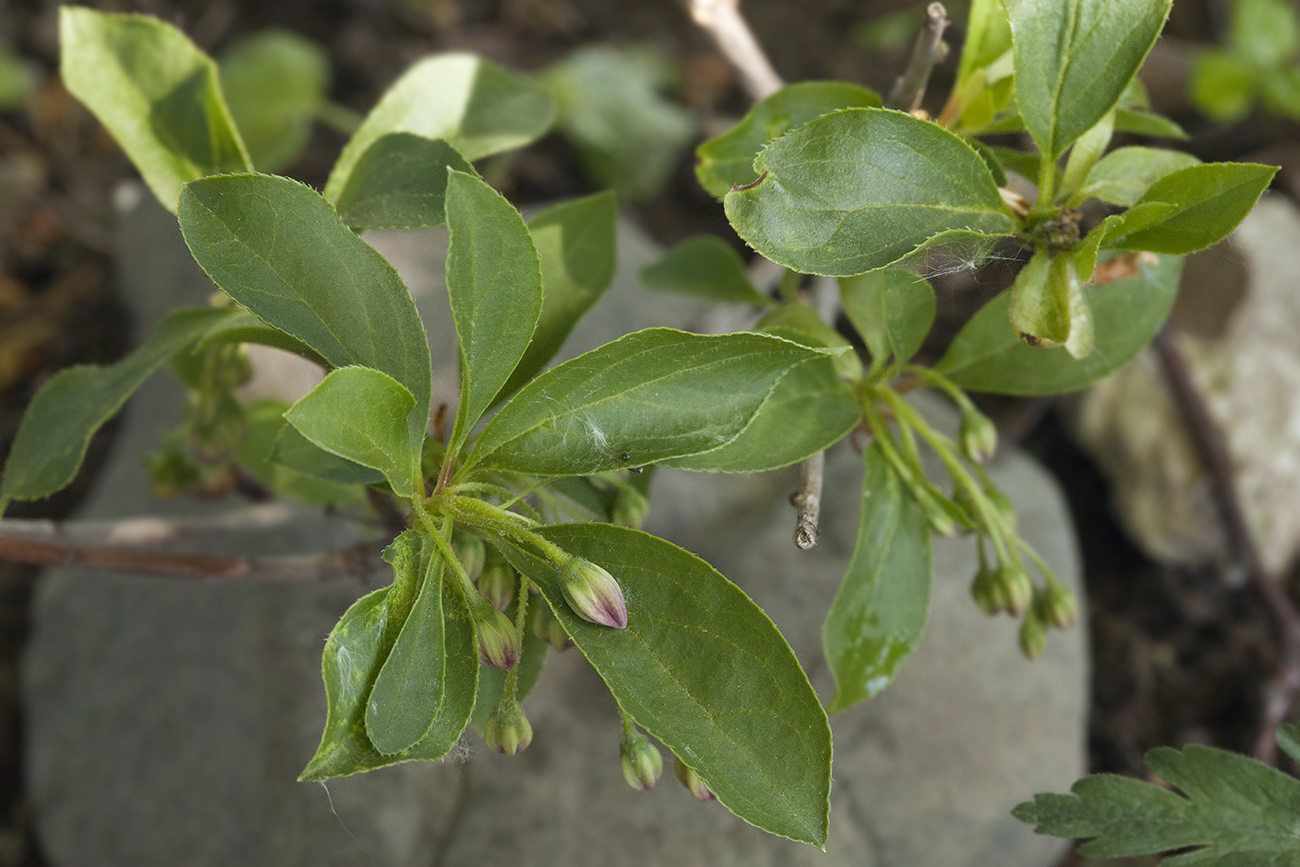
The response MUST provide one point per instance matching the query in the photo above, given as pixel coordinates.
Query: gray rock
(168, 720)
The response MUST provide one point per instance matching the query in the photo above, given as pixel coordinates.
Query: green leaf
(810, 410)
(578, 247)
(758, 735)
(277, 248)
(157, 94)
(408, 690)
(477, 107)
(265, 421)
(1288, 738)
(892, 310)
(359, 414)
(799, 322)
(295, 452)
(988, 36)
(646, 397)
(494, 281)
(1147, 124)
(1074, 59)
(1236, 811)
(1211, 200)
(399, 182)
(727, 160)
(1265, 31)
(1223, 85)
(1040, 302)
(353, 655)
(611, 107)
(988, 356)
(1085, 153)
(244, 327)
(275, 83)
(863, 188)
(1124, 175)
(74, 403)
(705, 267)
(880, 610)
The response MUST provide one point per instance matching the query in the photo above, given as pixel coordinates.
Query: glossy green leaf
(611, 107)
(275, 83)
(1211, 200)
(758, 735)
(1226, 809)
(578, 247)
(1124, 175)
(1074, 59)
(494, 281)
(399, 182)
(359, 414)
(810, 410)
(353, 655)
(408, 690)
(477, 107)
(74, 403)
(988, 356)
(892, 310)
(295, 452)
(704, 267)
(1147, 124)
(863, 188)
(880, 610)
(646, 397)
(265, 421)
(727, 160)
(156, 92)
(277, 248)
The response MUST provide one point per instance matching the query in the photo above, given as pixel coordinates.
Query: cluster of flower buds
(1005, 588)
(642, 763)
(548, 627)
(592, 593)
(508, 730)
(498, 581)
(687, 777)
(498, 640)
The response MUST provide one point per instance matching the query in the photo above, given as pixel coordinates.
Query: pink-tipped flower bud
(1033, 638)
(498, 641)
(498, 582)
(593, 594)
(548, 627)
(508, 730)
(642, 764)
(687, 777)
(978, 435)
(1056, 606)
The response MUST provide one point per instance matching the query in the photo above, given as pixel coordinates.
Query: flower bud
(630, 508)
(593, 594)
(691, 780)
(642, 764)
(940, 521)
(986, 591)
(1017, 587)
(1056, 606)
(498, 642)
(508, 730)
(1033, 638)
(978, 435)
(470, 551)
(548, 627)
(498, 583)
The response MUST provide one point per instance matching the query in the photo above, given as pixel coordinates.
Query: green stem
(491, 520)
(512, 676)
(444, 547)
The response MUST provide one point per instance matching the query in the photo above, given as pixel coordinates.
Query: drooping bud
(1033, 638)
(1017, 587)
(470, 551)
(508, 730)
(978, 435)
(593, 594)
(498, 641)
(630, 508)
(940, 521)
(987, 592)
(548, 627)
(1056, 606)
(687, 777)
(498, 582)
(642, 764)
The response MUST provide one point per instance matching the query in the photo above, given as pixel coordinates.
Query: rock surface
(168, 720)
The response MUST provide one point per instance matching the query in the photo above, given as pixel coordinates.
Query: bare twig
(150, 530)
(808, 500)
(929, 50)
(736, 41)
(1208, 439)
(357, 561)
